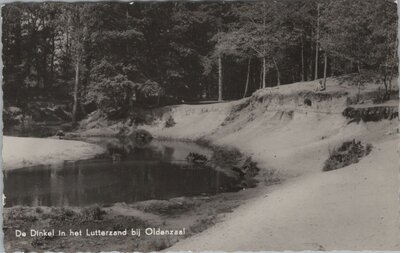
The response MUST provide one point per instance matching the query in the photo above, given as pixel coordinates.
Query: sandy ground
(20, 152)
(353, 208)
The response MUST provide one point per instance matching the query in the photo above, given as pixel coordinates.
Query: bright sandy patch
(20, 151)
(355, 208)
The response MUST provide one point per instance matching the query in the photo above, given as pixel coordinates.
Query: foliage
(193, 157)
(141, 136)
(123, 54)
(170, 122)
(109, 89)
(92, 213)
(348, 153)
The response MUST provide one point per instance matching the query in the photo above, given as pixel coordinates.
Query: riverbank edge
(214, 207)
(17, 151)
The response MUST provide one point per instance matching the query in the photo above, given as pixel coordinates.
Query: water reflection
(154, 171)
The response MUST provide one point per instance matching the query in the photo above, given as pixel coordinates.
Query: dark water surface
(157, 170)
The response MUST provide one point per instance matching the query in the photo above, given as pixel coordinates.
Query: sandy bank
(20, 151)
(352, 208)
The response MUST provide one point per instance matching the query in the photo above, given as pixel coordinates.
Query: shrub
(170, 122)
(141, 136)
(348, 153)
(118, 227)
(37, 242)
(92, 213)
(196, 158)
(307, 102)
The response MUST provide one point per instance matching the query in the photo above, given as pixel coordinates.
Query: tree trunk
(278, 75)
(127, 28)
(261, 77)
(254, 77)
(317, 45)
(264, 49)
(67, 42)
(359, 82)
(325, 66)
(302, 59)
(220, 84)
(76, 89)
(53, 50)
(385, 80)
(310, 56)
(247, 79)
(392, 68)
(264, 76)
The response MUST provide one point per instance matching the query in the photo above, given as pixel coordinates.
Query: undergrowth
(348, 153)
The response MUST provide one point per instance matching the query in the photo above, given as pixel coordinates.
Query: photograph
(146, 126)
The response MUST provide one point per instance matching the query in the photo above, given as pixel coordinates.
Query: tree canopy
(114, 54)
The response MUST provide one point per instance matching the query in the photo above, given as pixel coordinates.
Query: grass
(166, 207)
(349, 152)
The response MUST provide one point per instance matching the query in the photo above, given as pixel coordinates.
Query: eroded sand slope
(352, 208)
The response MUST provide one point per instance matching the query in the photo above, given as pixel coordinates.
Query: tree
(317, 41)
(368, 42)
(177, 51)
(79, 33)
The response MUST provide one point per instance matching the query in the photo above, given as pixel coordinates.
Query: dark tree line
(112, 55)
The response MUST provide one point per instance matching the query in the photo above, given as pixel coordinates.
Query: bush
(170, 122)
(141, 136)
(307, 102)
(348, 153)
(196, 158)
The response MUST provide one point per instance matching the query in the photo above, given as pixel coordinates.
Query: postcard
(200, 126)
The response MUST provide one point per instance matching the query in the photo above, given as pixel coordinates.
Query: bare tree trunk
(261, 76)
(76, 89)
(264, 72)
(302, 59)
(392, 67)
(385, 80)
(127, 27)
(278, 74)
(325, 67)
(248, 78)
(53, 49)
(264, 50)
(317, 45)
(359, 82)
(67, 44)
(254, 77)
(220, 84)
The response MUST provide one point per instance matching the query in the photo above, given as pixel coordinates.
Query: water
(153, 171)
